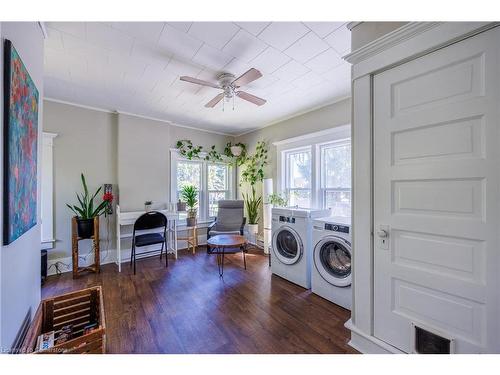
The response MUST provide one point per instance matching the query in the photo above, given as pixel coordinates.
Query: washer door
(332, 258)
(287, 245)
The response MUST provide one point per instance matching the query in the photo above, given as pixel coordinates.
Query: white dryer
(292, 243)
(331, 268)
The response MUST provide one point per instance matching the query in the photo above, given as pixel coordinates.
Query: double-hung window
(298, 177)
(335, 169)
(214, 182)
(315, 170)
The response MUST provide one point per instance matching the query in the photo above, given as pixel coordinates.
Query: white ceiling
(134, 67)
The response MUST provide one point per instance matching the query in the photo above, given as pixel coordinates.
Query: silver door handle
(382, 233)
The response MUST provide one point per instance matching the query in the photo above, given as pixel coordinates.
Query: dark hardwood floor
(187, 308)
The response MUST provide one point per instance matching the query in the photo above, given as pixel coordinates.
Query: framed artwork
(20, 147)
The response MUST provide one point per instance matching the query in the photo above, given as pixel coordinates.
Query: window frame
(227, 191)
(287, 177)
(315, 141)
(203, 205)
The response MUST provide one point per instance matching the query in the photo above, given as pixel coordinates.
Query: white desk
(129, 218)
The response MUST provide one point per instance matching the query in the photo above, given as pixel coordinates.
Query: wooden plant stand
(96, 267)
(191, 238)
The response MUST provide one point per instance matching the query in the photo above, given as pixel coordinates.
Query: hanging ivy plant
(187, 150)
(213, 155)
(253, 168)
(229, 152)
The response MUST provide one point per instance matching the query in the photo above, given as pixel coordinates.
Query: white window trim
(203, 205)
(314, 141)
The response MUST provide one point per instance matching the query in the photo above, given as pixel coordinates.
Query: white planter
(236, 150)
(253, 228)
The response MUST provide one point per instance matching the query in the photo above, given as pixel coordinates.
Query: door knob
(382, 233)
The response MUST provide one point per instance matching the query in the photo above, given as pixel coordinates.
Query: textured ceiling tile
(173, 41)
(76, 29)
(306, 48)
(282, 35)
(291, 71)
(325, 61)
(340, 40)
(108, 37)
(254, 28)
(211, 57)
(322, 29)
(270, 60)
(216, 34)
(146, 32)
(245, 46)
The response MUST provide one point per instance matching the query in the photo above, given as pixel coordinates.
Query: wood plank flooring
(187, 308)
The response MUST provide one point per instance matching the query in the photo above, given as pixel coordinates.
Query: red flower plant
(108, 197)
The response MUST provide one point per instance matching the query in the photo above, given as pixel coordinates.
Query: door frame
(404, 44)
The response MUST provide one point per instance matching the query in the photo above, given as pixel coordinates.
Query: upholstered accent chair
(229, 220)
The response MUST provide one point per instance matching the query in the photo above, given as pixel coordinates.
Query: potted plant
(181, 206)
(148, 205)
(253, 172)
(189, 194)
(252, 205)
(85, 211)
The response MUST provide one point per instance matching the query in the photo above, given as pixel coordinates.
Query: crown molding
(405, 32)
(352, 25)
(43, 29)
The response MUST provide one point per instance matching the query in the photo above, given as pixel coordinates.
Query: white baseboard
(368, 344)
(65, 263)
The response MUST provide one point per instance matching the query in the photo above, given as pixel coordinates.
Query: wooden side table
(191, 238)
(222, 243)
(96, 267)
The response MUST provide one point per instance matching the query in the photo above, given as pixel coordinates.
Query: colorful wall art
(20, 147)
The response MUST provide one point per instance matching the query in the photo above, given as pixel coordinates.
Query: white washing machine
(292, 243)
(331, 269)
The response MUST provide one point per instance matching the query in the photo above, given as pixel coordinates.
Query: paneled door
(436, 197)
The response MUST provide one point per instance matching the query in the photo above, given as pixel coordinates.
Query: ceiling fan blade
(249, 76)
(215, 100)
(251, 98)
(199, 82)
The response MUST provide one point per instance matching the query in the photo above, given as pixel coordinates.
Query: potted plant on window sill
(189, 194)
(85, 211)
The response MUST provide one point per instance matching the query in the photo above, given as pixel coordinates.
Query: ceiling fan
(230, 86)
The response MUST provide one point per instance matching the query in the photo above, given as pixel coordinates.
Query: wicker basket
(77, 309)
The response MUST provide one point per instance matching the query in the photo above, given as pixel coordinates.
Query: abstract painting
(20, 147)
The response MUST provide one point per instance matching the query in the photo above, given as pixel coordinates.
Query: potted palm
(189, 194)
(86, 210)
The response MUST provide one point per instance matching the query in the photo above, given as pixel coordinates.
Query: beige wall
(86, 143)
(144, 158)
(130, 152)
(327, 117)
(366, 32)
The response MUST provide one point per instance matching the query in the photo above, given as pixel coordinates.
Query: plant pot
(85, 227)
(181, 206)
(147, 207)
(236, 150)
(253, 228)
(191, 221)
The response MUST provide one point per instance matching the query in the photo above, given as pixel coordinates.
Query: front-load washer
(292, 243)
(331, 268)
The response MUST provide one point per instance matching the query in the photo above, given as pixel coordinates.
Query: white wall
(86, 143)
(20, 261)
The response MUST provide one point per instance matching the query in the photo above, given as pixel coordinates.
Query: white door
(436, 196)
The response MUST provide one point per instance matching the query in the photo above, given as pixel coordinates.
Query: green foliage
(187, 150)
(278, 200)
(85, 208)
(189, 194)
(252, 206)
(253, 168)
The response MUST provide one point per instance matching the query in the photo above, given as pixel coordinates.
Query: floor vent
(427, 342)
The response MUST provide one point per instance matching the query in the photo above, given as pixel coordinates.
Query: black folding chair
(149, 220)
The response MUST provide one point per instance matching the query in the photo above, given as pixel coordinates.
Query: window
(315, 170)
(335, 169)
(213, 181)
(218, 186)
(298, 181)
(189, 173)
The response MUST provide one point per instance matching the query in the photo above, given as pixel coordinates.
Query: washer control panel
(337, 228)
(287, 219)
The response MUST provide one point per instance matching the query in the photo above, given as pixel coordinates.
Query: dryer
(331, 266)
(292, 243)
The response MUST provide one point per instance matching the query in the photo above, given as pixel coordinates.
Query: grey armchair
(229, 220)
